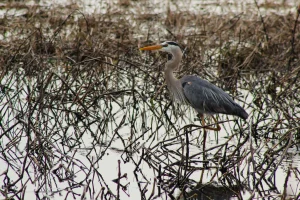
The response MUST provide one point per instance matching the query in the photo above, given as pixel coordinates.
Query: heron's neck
(173, 83)
(172, 65)
(169, 75)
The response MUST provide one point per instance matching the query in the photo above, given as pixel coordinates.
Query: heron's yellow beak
(154, 47)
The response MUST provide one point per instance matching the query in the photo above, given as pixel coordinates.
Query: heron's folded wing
(206, 97)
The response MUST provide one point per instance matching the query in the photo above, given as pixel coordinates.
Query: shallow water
(147, 136)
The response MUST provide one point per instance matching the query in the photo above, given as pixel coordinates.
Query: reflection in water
(211, 192)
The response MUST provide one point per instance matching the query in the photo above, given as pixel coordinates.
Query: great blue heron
(202, 95)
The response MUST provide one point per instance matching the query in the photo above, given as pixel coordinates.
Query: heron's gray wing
(208, 98)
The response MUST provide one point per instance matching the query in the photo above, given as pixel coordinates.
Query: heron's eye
(165, 45)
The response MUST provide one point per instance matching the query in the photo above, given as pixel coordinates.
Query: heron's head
(168, 46)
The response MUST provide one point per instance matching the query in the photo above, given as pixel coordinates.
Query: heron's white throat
(174, 85)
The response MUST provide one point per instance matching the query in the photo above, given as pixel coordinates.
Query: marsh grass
(67, 76)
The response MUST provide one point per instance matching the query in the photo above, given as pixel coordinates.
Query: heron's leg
(218, 128)
(204, 131)
(203, 145)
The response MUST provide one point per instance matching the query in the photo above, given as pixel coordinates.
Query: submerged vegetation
(78, 97)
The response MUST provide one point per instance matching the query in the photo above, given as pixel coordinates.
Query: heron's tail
(242, 113)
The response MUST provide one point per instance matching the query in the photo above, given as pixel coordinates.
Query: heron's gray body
(207, 98)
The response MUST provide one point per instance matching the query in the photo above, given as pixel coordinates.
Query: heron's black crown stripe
(173, 43)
